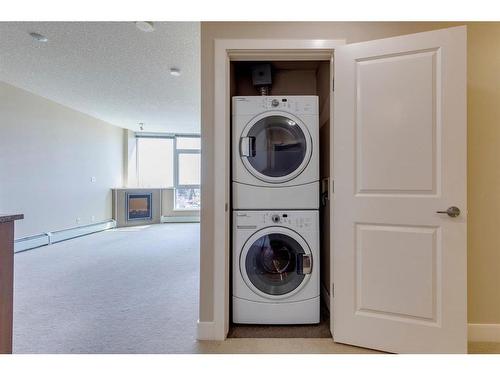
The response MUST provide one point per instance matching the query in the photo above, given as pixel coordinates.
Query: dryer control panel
(300, 105)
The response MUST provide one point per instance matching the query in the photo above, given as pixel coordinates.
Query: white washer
(276, 267)
(275, 153)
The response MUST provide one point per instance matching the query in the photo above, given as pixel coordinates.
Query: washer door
(275, 147)
(276, 262)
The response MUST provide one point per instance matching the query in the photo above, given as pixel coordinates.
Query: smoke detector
(175, 72)
(39, 37)
(146, 26)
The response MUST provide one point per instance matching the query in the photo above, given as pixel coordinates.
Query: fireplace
(139, 206)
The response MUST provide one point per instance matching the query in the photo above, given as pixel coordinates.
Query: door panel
(406, 112)
(385, 253)
(399, 268)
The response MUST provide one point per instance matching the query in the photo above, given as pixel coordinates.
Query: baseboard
(206, 331)
(484, 332)
(325, 296)
(180, 219)
(32, 242)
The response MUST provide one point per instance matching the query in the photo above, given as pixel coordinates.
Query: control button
(275, 218)
(275, 102)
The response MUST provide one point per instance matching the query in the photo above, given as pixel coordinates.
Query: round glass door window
(277, 147)
(273, 262)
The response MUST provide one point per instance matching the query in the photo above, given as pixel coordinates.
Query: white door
(400, 153)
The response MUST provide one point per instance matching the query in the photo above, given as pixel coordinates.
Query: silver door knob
(451, 211)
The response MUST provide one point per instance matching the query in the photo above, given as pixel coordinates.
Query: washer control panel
(258, 219)
(275, 218)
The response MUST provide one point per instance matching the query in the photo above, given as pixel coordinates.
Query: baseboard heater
(32, 242)
(180, 219)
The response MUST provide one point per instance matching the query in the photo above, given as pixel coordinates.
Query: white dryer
(275, 153)
(276, 267)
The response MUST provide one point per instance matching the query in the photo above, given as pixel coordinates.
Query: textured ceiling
(110, 70)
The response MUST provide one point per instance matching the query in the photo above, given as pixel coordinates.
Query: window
(171, 161)
(187, 176)
(187, 198)
(188, 143)
(155, 160)
(189, 169)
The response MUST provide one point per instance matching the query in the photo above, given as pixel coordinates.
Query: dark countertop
(6, 218)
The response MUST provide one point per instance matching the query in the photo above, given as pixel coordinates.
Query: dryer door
(276, 262)
(275, 147)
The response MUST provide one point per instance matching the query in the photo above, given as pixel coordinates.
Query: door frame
(225, 51)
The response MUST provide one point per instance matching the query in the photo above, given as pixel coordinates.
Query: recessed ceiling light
(146, 26)
(175, 72)
(39, 37)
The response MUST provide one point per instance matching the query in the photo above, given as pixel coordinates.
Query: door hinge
(333, 186)
(333, 291)
(333, 84)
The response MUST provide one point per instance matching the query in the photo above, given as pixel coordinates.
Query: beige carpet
(307, 346)
(128, 290)
(279, 346)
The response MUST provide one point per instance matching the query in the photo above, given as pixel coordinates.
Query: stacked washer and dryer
(275, 189)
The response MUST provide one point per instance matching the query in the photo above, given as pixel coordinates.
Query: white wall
(48, 154)
(130, 159)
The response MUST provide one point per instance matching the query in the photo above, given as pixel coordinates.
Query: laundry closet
(388, 221)
(280, 207)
